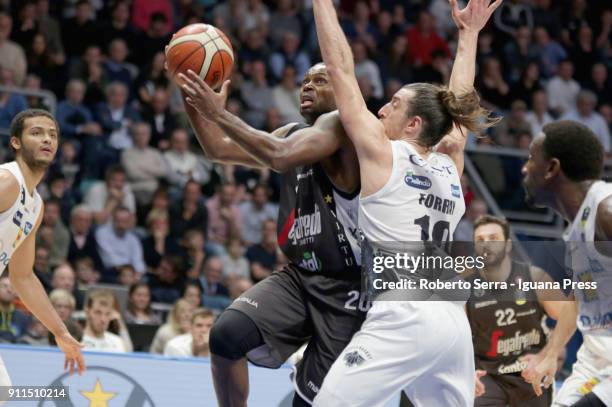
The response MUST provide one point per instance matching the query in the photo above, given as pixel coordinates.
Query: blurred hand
(540, 372)
(475, 15)
(72, 350)
(480, 387)
(206, 101)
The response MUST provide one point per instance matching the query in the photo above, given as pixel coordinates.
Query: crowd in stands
(132, 201)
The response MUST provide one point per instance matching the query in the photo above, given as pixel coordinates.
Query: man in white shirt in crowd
(585, 113)
(103, 197)
(99, 311)
(183, 164)
(194, 343)
(538, 116)
(562, 89)
(254, 213)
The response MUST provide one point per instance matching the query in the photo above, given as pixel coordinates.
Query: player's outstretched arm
(33, 295)
(273, 150)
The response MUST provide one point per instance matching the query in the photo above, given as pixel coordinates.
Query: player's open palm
(72, 350)
(475, 15)
(202, 97)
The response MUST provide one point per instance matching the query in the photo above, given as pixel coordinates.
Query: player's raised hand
(480, 387)
(72, 350)
(475, 15)
(206, 101)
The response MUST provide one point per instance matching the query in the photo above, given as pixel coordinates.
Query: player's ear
(553, 169)
(508, 246)
(15, 143)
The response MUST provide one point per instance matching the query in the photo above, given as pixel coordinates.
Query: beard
(495, 257)
(36, 164)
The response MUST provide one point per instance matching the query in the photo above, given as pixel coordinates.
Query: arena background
(201, 230)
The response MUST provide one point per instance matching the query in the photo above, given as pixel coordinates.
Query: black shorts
(292, 307)
(511, 390)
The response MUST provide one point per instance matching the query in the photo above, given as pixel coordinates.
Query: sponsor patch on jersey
(455, 191)
(353, 358)
(311, 262)
(305, 227)
(417, 181)
(587, 387)
(585, 215)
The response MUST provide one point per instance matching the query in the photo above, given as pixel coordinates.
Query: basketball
(205, 50)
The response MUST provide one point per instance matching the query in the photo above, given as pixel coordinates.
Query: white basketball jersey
(422, 200)
(17, 222)
(588, 265)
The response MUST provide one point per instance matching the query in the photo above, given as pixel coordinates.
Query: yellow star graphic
(328, 199)
(97, 397)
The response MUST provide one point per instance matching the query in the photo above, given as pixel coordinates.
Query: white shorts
(421, 347)
(589, 373)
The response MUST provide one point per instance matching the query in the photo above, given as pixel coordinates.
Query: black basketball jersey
(317, 223)
(506, 324)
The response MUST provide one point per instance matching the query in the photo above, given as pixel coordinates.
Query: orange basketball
(205, 50)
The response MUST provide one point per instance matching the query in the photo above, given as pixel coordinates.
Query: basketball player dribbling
(34, 139)
(564, 172)
(422, 347)
(317, 297)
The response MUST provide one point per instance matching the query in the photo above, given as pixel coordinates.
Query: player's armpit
(603, 228)
(9, 190)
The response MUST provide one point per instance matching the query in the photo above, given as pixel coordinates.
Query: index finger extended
(196, 78)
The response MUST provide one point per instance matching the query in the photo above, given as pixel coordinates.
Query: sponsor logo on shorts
(248, 301)
(312, 386)
(516, 367)
(353, 358)
(417, 181)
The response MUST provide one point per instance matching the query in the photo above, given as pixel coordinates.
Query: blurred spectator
(359, 27)
(438, 72)
(10, 103)
(153, 39)
(80, 31)
(518, 53)
(513, 124)
(143, 11)
(117, 243)
(116, 67)
(157, 114)
(238, 286)
(286, 96)
(13, 322)
(67, 164)
(511, 15)
(53, 233)
(116, 116)
(194, 343)
(255, 15)
(289, 54)
(193, 293)
(158, 241)
(257, 95)
(58, 190)
(393, 62)
(86, 274)
(99, 313)
(366, 67)
(423, 40)
(234, 262)
(118, 25)
(193, 243)
(82, 238)
(583, 54)
(215, 294)
(254, 212)
(264, 256)
(166, 280)
(284, 19)
(550, 52)
(184, 165)
(151, 78)
(41, 266)
(386, 31)
(42, 64)
(63, 302)
(178, 323)
(545, 15)
(189, 212)
(528, 83)
(562, 89)
(50, 28)
(89, 68)
(441, 11)
(127, 275)
(586, 114)
(144, 166)
(104, 196)
(493, 88)
(465, 229)
(64, 278)
(600, 84)
(538, 116)
(224, 218)
(139, 306)
(75, 119)
(253, 49)
(33, 83)
(35, 335)
(13, 55)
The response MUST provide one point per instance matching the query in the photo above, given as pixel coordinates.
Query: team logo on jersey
(417, 181)
(17, 218)
(455, 191)
(418, 161)
(311, 262)
(353, 358)
(585, 215)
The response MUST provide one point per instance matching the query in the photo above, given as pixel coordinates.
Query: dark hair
(18, 122)
(113, 169)
(53, 201)
(133, 288)
(440, 108)
(576, 147)
(191, 283)
(158, 17)
(488, 219)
